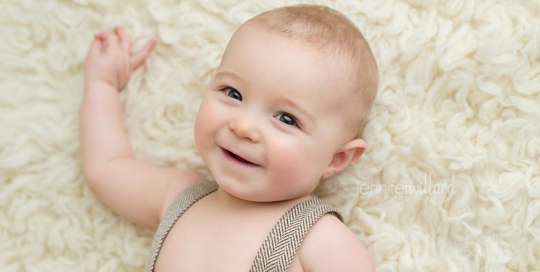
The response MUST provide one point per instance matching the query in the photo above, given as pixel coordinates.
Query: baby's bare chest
(209, 239)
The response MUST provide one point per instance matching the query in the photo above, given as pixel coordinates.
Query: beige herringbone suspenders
(280, 245)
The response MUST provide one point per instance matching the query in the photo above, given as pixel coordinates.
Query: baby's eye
(232, 93)
(287, 119)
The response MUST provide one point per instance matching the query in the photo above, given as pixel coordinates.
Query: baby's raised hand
(110, 59)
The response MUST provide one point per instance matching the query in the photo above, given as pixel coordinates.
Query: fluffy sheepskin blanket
(450, 180)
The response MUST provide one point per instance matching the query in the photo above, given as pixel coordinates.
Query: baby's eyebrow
(233, 75)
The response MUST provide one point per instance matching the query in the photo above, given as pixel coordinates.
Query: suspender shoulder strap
(181, 203)
(284, 239)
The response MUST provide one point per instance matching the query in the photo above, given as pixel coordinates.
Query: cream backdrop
(458, 109)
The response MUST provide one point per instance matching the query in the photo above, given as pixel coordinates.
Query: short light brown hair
(329, 31)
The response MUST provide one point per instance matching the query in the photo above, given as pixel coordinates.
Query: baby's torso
(206, 238)
(209, 237)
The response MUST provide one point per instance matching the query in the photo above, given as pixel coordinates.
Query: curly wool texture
(458, 101)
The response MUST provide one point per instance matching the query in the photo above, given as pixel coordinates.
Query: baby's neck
(231, 202)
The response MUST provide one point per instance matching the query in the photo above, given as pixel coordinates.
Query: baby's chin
(243, 195)
(252, 197)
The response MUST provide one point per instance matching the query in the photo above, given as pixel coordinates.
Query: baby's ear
(349, 153)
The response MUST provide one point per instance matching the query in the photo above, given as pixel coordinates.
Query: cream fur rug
(458, 109)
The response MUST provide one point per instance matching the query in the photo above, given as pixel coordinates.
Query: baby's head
(291, 96)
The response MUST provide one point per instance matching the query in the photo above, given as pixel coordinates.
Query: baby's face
(275, 104)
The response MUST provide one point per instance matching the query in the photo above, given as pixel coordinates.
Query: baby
(284, 110)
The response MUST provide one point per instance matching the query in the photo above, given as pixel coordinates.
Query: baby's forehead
(330, 57)
(318, 72)
(332, 60)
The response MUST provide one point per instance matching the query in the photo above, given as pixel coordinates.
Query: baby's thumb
(140, 57)
(139, 71)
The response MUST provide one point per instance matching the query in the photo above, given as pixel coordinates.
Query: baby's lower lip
(231, 158)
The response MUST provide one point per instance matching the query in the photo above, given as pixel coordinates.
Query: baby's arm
(136, 190)
(330, 246)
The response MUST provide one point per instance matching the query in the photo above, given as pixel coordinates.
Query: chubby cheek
(295, 167)
(204, 127)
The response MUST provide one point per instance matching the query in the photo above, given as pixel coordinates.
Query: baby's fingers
(125, 41)
(111, 41)
(139, 58)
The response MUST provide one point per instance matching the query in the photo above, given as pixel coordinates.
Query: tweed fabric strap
(181, 203)
(281, 244)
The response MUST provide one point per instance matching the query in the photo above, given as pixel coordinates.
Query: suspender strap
(181, 203)
(281, 244)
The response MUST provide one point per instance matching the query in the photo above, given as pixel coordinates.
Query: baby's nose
(245, 127)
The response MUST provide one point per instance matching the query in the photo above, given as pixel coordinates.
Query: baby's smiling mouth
(239, 158)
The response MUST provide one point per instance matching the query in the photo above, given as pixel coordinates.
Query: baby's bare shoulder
(330, 246)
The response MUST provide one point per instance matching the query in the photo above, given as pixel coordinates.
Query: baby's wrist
(100, 84)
